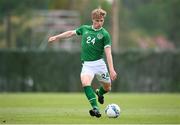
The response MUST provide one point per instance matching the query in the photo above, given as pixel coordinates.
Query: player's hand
(51, 39)
(113, 75)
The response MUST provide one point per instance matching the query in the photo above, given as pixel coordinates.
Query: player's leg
(104, 78)
(86, 83)
(103, 89)
(86, 80)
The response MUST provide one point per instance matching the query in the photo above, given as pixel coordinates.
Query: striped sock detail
(91, 96)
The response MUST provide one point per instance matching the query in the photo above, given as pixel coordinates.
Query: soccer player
(95, 42)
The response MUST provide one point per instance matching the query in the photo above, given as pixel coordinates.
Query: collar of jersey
(96, 29)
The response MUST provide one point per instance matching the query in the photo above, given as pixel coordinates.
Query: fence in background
(58, 71)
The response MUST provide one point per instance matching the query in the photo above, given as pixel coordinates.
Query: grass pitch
(72, 108)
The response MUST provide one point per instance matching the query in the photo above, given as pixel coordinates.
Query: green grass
(62, 108)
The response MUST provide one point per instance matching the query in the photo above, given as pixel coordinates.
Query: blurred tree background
(142, 23)
(145, 34)
(15, 22)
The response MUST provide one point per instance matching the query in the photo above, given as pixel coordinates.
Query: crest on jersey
(99, 36)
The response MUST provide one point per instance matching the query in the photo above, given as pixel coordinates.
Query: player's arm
(112, 72)
(63, 35)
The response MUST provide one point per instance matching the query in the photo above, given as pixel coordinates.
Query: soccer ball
(112, 110)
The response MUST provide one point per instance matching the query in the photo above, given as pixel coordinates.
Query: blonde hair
(98, 13)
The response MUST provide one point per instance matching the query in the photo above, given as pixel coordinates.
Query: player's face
(98, 23)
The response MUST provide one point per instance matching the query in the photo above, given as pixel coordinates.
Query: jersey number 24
(90, 40)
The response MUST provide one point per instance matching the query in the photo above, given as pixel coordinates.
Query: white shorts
(96, 68)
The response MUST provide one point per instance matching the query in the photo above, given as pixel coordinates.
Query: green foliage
(155, 16)
(152, 17)
(139, 71)
(11, 8)
(20, 6)
(173, 20)
(59, 4)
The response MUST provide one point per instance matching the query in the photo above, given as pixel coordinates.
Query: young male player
(95, 41)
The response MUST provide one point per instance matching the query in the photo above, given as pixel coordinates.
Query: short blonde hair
(98, 13)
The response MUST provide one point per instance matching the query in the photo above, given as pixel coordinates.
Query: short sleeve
(79, 30)
(107, 40)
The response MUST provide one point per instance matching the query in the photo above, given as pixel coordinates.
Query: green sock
(102, 91)
(91, 96)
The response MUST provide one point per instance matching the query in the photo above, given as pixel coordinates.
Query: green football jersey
(93, 42)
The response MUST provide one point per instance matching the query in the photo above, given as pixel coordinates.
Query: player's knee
(85, 84)
(107, 88)
(86, 80)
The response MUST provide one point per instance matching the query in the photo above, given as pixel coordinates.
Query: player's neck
(96, 29)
